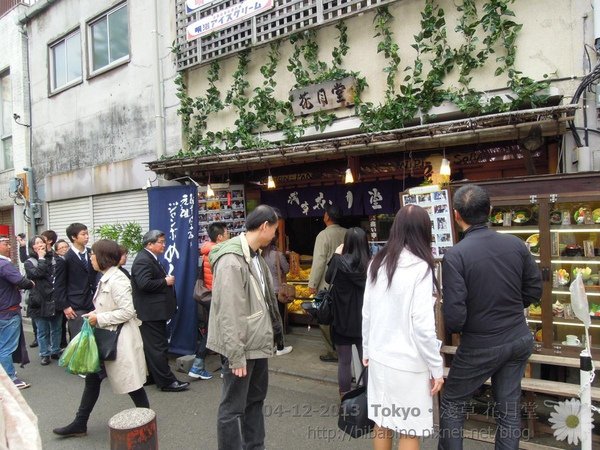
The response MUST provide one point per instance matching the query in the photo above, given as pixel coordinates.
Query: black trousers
(91, 392)
(240, 421)
(156, 348)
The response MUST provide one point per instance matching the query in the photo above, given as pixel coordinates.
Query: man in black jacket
(155, 304)
(489, 278)
(75, 279)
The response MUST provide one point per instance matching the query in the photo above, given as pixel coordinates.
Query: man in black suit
(155, 304)
(75, 279)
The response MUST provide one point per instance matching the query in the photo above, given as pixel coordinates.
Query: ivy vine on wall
(409, 91)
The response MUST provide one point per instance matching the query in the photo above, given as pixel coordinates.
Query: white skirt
(400, 400)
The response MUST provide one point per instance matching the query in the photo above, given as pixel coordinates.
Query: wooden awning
(510, 126)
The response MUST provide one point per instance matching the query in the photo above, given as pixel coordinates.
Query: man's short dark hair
(260, 215)
(50, 236)
(215, 229)
(151, 237)
(472, 203)
(74, 229)
(334, 213)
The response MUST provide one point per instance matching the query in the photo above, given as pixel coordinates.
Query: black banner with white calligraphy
(357, 199)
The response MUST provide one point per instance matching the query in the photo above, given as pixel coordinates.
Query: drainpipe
(158, 96)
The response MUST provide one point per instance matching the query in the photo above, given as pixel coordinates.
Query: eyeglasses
(161, 242)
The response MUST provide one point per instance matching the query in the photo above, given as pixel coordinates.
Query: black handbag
(354, 412)
(324, 302)
(324, 311)
(106, 340)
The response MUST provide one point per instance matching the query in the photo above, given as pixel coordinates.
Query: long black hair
(356, 249)
(412, 230)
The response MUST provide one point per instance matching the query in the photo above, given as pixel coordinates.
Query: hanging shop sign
(360, 199)
(174, 210)
(227, 17)
(323, 96)
(192, 6)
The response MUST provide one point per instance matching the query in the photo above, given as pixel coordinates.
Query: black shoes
(55, 355)
(328, 358)
(74, 429)
(34, 344)
(45, 360)
(176, 386)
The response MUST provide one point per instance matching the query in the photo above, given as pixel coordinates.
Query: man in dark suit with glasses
(155, 304)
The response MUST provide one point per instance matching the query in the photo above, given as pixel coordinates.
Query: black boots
(74, 429)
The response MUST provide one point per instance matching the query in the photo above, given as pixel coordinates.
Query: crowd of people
(383, 305)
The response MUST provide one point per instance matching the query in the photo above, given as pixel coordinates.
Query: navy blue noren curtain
(174, 210)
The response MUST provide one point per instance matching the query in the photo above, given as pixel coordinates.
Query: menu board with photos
(437, 205)
(227, 205)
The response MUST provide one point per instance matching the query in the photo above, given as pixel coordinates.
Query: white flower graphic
(566, 421)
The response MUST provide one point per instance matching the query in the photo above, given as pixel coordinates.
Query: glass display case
(562, 232)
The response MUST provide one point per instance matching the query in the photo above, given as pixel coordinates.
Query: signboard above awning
(227, 17)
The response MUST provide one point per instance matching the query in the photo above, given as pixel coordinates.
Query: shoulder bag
(325, 303)
(201, 293)
(353, 416)
(106, 340)
(286, 292)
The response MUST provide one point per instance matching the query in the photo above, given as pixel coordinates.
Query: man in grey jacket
(243, 325)
(327, 241)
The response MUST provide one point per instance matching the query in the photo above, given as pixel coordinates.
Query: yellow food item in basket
(302, 275)
(302, 292)
(295, 306)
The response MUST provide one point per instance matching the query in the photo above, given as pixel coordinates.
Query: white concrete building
(102, 102)
(14, 134)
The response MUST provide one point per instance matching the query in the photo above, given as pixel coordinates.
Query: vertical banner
(174, 210)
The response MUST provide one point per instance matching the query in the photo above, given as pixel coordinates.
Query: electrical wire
(587, 82)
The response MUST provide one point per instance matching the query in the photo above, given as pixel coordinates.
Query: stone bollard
(133, 428)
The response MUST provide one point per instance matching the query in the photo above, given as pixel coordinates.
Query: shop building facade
(427, 88)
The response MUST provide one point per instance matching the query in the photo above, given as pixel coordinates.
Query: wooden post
(133, 428)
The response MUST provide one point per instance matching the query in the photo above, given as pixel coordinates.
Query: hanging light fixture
(445, 166)
(348, 178)
(270, 181)
(209, 192)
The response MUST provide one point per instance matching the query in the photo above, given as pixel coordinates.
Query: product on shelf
(562, 277)
(301, 275)
(558, 310)
(535, 310)
(586, 273)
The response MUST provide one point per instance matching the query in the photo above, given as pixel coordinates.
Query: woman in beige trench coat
(113, 305)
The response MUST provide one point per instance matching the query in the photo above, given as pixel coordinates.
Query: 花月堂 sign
(323, 96)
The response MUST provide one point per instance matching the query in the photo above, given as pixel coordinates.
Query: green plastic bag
(81, 355)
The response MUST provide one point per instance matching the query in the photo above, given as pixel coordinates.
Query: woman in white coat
(399, 340)
(113, 306)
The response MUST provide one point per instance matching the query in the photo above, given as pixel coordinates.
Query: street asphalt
(301, 409)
